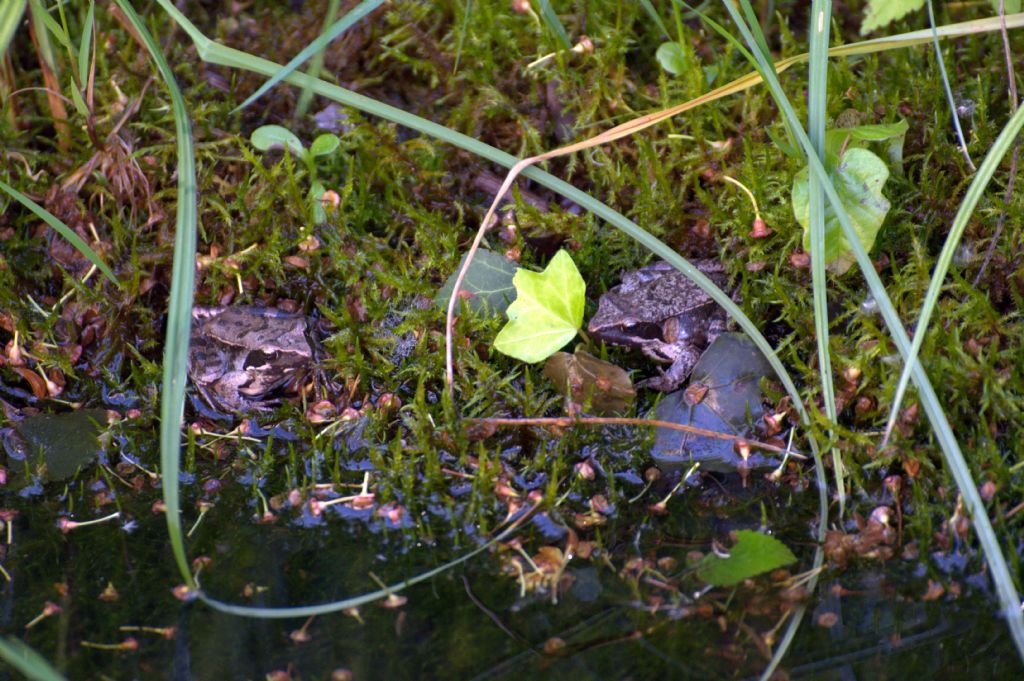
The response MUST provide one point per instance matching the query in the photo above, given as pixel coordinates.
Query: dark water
(470, 623)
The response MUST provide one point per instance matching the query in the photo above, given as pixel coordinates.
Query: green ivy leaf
(672, 58)
(753, 554)
(858, 179)
(547, 312)
(268, 136)
(488, 281)
(324, 144)
(858, 136)
(881, 13)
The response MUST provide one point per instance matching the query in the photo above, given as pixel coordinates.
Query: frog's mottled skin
(664, 314)
(238, 355)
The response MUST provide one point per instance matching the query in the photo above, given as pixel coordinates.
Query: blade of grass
(62, 229)
(27, 661)
(554, 24)
(949, 91)
(10, 17)
(322, 41)
(356, 601)
(977, 188)
(84, 45)
(317, 62)
(40, 36)
(655, 17)
(462, 34)
(41, 15)
(817, 112)
(179, 313)
(1005, 589)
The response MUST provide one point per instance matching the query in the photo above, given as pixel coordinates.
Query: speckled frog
(238, 355)
(657, 310)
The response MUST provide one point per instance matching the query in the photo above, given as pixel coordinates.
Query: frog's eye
(644, 330)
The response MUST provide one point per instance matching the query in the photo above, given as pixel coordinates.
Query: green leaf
(858, 179)
(10, 19)
(266, 137)
(554, 24)
(324, 144)
(753, 554)
(547, 312)
(862, 134)
(1011, 6)
(62, 229)
(76, 98)
(316, 195)
(881, 13)
(84, 45)
(673, 58)
(488, 283)
(27, 661)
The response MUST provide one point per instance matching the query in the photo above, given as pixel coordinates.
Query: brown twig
(567, 422)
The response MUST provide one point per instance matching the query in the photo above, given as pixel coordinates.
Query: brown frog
(238, 355)
(664, 314)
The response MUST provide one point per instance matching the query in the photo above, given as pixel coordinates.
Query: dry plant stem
(568, 421)
(1012, 84)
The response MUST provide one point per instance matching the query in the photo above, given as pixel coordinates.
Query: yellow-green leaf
(858, 179)
(881, 13)
(547, 312)
(753, 554)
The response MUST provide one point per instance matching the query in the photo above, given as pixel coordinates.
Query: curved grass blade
(817, 112)
(316, 64)
(986, 170)
(11, 13)
(554, 24)
(1005, 589)
(62, 229)
(356, 601)
(655, 17)
(949, 92)
(27, 661)
(179, 313)
(84, 44)
(322, 41)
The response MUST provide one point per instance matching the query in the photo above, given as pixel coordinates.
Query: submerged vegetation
(144, 172)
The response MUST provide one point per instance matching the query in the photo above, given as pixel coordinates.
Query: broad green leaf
(753, 554)
(488, 284)
(324, 144)
(547, 312)
(268, 136)
(858, 179)
(881, 13)
(672, 58)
